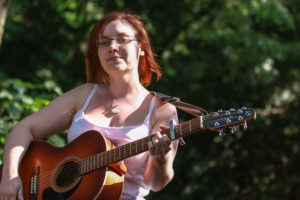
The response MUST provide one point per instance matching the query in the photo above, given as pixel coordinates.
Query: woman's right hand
(11, 189)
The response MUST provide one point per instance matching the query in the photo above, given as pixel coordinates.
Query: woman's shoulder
(80, 93)
(164, 112)
(84, 87)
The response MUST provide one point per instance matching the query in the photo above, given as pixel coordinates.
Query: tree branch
(4, 4)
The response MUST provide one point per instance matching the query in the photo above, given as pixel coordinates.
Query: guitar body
(50, 173)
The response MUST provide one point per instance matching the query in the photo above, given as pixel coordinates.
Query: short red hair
(147, 63)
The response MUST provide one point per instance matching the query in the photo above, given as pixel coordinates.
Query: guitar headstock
(231, 118)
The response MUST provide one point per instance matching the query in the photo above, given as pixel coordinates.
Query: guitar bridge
(34, 184)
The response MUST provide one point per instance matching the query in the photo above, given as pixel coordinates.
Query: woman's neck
(126, 89)
(125, 84)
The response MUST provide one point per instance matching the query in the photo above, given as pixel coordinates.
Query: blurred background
(217, 54)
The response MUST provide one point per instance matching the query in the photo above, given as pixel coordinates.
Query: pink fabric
(134, 187)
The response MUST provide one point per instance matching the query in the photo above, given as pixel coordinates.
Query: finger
(151, 147)
(167, 142)
(156, 139)
(163, 127)
(166, 139)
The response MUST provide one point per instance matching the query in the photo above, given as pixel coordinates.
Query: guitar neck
(212, 121)
(139, 146)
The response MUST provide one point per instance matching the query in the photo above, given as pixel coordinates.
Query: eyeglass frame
(115, 39)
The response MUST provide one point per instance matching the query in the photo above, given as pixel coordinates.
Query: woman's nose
(113, 45)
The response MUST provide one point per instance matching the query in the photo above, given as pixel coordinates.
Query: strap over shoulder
(189, 108)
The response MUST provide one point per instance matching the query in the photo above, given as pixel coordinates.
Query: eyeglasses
(120, 40)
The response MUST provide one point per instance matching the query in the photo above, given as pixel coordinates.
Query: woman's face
(114, 57)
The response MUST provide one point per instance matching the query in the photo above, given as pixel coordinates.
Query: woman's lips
(114, 58)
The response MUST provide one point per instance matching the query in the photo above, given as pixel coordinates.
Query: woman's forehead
(118, 27)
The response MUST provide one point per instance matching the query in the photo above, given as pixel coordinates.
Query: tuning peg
(233, 129)
(245, 125)
(221, 132)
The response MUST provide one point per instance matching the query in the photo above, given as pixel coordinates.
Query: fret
(90, 163)
(119, 153)
(98, 161)
(136, 147)
(84, 163)
(201, 122)
(114, 155)
(176, 130)
(94, 163)
(180, 130)
(110, 156)
(101, 159)
(130, 149)
(125, 152)
(142, 145)
(190, 126)
(86, 166)
(81, 167)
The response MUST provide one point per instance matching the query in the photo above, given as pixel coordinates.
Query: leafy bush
(19, 99)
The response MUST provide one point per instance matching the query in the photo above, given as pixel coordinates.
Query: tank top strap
(92, 93)
(151, 107)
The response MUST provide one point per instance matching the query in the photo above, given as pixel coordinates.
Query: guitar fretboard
(139, 146)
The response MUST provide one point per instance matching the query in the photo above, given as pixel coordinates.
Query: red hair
(147, 63)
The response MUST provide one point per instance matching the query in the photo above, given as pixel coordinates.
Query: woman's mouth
(114, 58)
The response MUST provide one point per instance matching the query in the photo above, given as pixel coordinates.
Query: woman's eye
(104, 42)
(123, 39)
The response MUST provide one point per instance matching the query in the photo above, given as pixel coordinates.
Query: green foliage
(19, 99)
(213, 53)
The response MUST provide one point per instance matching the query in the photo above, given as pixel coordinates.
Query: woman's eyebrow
(119, 34)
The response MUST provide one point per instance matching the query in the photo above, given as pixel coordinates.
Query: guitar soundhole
(67, 174)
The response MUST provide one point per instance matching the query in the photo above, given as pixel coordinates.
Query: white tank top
(134, 187)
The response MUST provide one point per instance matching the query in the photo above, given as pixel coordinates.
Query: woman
(115, 102)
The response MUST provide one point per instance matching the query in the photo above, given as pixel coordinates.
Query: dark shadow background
(215, 54)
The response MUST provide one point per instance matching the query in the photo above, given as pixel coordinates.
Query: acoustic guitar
(89, 167)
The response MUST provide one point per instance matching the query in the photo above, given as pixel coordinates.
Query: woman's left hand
(159, 146)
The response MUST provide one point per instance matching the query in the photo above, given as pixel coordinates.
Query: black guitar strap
(189, 108)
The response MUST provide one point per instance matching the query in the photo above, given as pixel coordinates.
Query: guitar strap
(189, 108)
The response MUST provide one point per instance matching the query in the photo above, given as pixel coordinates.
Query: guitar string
(105, 155)
(72, 168)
